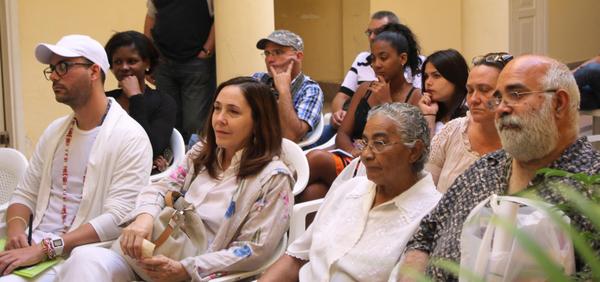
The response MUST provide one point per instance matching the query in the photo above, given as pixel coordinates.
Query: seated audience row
(393, 50)
(89, 174)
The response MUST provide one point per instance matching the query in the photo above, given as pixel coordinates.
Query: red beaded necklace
(65, 170)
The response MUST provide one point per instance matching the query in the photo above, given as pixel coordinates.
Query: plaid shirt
(308, 100)
(439, 232)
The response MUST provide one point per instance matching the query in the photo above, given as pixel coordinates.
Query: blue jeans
(588, 80)
(192, 85)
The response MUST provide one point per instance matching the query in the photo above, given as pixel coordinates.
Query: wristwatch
(58, 244)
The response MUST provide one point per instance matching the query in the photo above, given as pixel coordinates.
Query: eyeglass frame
(493, 58)
(67, 65)
(376, 31)
(361, 145)
(276, 52)
(517, 95)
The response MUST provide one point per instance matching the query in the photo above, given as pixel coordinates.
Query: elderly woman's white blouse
(352, 241)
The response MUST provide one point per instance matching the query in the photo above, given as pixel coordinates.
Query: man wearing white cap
(87, 168)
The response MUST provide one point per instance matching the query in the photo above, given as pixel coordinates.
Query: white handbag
(492, 252)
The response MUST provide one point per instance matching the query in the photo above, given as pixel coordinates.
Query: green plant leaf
(590, 209)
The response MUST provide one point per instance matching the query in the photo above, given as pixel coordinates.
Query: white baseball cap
(71, 46)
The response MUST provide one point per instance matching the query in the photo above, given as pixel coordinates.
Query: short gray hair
(410, 125)
(558, 76)
(391, 17)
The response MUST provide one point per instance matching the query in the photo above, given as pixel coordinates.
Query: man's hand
(17, 241)
(337, 118)
(381, 90)
(160, 163)
(415, 262)
(283, 79)
(130, 86)
(15, 237)
(161, 268)
(134, 234)
(203, 55)
(9, 260)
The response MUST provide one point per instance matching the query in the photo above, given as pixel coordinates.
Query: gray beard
(535, 137)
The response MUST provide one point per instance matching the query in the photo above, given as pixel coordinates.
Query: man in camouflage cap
(300, 98)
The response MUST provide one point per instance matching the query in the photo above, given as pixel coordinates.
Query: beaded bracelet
(48, 248)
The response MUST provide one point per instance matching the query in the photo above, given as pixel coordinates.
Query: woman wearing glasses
(393, 50)
(132, 56)
(362, 227)
(444, 78)
(464, 140)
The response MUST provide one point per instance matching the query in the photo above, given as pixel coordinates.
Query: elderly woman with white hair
(363, 226)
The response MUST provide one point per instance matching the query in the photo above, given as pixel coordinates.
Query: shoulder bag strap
(170, 199)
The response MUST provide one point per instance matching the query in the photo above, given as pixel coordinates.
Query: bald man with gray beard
(537, 119)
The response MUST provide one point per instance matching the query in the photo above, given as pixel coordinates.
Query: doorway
(11, 134)
(528, 27)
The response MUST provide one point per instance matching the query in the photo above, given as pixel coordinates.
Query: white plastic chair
(294, 158)
(178, 147)
(244, 275)
(595, 114)
(314, 135)
(593, 138)
(298, 220)
(329, 145)
(13, 165)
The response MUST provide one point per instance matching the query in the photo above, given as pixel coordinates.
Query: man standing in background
(184, 34)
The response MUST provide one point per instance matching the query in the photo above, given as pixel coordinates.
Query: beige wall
(332, 30)
(484, 27)
(573, 29)
(319, 23)
(355, 18)
(236, 45)
(437, 24)
(48, 21)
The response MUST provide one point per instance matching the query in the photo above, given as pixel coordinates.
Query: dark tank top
(362, 110)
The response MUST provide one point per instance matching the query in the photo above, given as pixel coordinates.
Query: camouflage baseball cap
(284, 38)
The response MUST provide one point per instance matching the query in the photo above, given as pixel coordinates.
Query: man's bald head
(544, 73)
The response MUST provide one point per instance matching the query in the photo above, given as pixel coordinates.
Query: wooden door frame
(541, 27)
(11, 74)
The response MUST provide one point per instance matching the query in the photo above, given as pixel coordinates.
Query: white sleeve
(131, 175)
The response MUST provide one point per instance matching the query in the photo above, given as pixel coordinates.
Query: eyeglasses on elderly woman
(376, 146)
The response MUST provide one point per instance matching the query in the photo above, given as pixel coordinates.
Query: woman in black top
(132, 56)
(393, 49)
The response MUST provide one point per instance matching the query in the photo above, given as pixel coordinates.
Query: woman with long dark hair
(444, 77)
